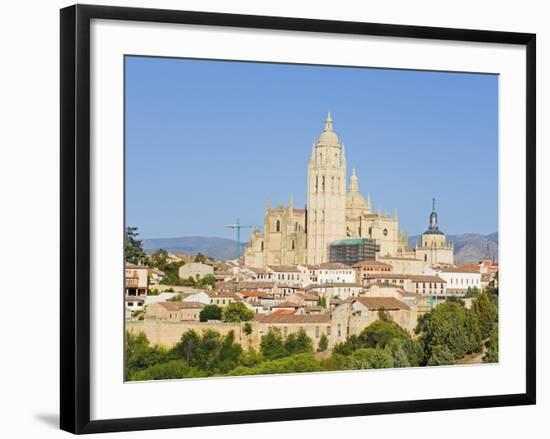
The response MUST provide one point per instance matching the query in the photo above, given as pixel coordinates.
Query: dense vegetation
(444, 335)
(133, 248)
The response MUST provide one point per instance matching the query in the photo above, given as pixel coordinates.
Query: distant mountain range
(469, 247)
(218, 248)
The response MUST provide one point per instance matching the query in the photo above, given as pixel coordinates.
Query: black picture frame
(75, 217)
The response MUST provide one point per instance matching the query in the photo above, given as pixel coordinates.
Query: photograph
(296, 218)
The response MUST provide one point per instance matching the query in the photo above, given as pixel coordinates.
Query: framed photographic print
(267, 219)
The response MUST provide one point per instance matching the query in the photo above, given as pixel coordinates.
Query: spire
(328, 123)
(291, 203)
(433, 217)
(368, 200)
(353, 182)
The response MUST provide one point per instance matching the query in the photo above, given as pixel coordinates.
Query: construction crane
(238, 226)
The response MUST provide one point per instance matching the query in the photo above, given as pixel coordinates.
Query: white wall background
(29, 249)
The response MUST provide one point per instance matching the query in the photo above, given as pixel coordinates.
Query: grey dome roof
(433, 232)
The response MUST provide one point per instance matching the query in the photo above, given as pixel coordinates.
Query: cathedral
(334, 211)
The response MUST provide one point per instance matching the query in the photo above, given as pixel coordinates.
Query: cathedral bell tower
(326, 194)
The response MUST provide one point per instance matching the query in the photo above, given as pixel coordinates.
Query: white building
(286, 274)
(329, 273)
(458, 279)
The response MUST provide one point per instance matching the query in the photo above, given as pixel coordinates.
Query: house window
(328, 330)
(278, 226)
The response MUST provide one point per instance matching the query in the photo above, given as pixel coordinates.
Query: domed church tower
(326, 194)
(434, 248)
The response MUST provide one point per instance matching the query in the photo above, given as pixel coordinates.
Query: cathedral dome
(328, 136)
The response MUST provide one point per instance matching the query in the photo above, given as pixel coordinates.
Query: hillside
(218, 248)
(470, 247)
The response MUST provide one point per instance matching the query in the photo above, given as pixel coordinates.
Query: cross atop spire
(433, 204)
(328, 123)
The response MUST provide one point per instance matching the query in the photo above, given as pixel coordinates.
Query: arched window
(278, 226)
(323, 184)
(316, 184)
(292, 245)
(425, 258)
(315, 216)
(262, 246)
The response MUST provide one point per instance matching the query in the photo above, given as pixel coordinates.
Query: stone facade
(194, 270)
(333, 213)
(302, 236)
(433, 248)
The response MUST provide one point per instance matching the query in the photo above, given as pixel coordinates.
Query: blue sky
(206, 141)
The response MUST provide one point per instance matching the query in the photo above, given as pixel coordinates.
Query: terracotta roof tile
(388, 303)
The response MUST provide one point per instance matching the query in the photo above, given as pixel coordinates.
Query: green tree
(159, 259)
(187, 347)
(272, 345)
(189, 282)
(210, 312)
(472, 292)
(322, 301)
(171, 271)
(133, 248)
(450, 325)
(229, 354)
(298, 342)
(206, 356)
(491, 356)
(173, 369)
(441, 355)
(237, 312)
(304, 362)
(139, 354)
(200, 258)
(486, 314)
(386, 334)
(207, 280)
(323, 343)
(369, 358)
(247, 329)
